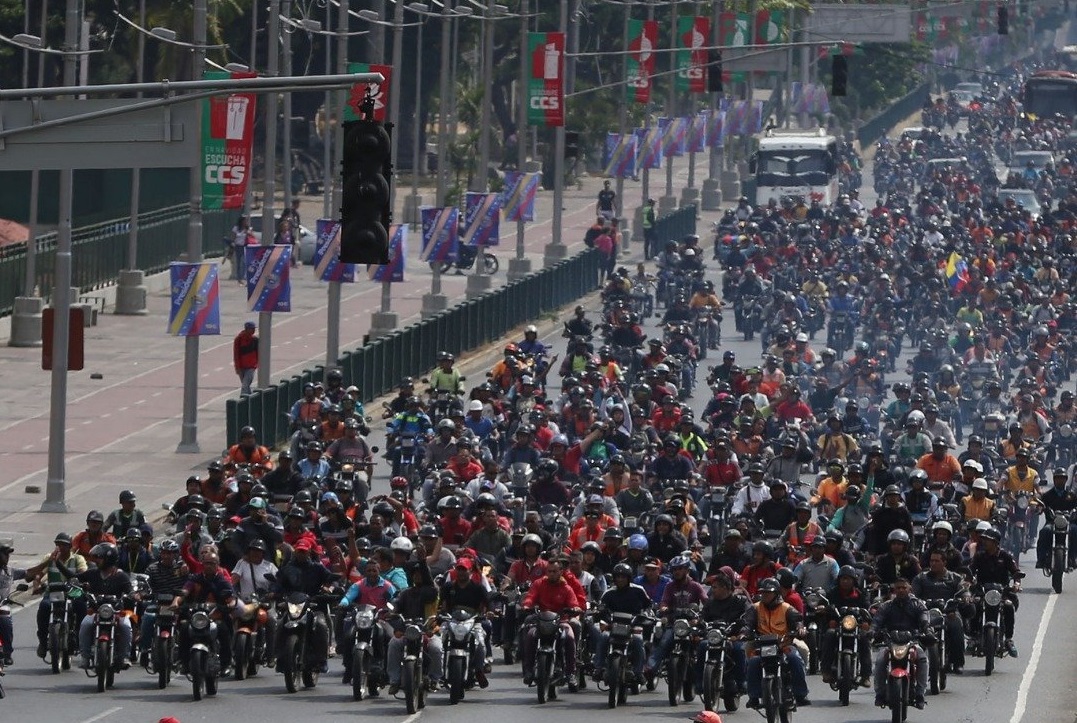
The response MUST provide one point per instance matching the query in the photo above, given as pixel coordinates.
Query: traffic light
(1003, 20)
(714, 71)
(839, 75)
(365, 213)
(572, 144)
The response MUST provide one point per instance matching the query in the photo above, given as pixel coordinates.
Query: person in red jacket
(245, 357)
(552, 593)
(761, 567)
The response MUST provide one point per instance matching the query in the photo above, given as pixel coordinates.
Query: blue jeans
(635, 652)
(660, 649)
(123, 637)
(740, 664)
(796, 675)
(7, 634)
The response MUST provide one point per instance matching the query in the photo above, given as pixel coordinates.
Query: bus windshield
(792, 168)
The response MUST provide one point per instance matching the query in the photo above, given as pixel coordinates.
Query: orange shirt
(940, 470)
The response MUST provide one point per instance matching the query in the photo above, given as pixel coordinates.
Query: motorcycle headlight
(1061, 523)
(993, 598)
(58, 596)
(768, 651)
(848, 623)
(460, 630)
(364, 619)
(1022, 502)
(295, 610)
(106, 612)
(681, 628)
(547, 628)
(631, 522)
(935, 618)
(899, 652)
(620, 630)
(199, 621)
(717, 497)
(412, 633)
(813, 600)
(715, 637)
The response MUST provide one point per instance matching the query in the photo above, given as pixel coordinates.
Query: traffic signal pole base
(477, 285)
(689, 196)
(382, 323)
(730, 185)
(131, 293)
(667, 204)
(711, 197)
(518, 269)
(412, 204)
(554, 253)
(26, 321)
(54, 497)
(433, 304)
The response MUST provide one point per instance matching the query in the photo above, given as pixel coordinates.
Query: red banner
(352, 110)
(642, 42)
(546, 91)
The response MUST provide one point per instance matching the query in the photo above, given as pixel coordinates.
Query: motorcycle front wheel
(197, 668)
(456, 674)
(490, 264)
(290, 663)
(360, 672)
(241, 655)
(162, 660)
(409, 685)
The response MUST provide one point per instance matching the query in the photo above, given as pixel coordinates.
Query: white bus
(791, 164)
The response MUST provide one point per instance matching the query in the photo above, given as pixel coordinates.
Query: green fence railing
(378, 366)
(99, 252)
(675, 225)
(875, 128)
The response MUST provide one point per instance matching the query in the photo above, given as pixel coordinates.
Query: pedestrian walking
(240, 234)
(604, 243)
(245, 357)
(650, 244)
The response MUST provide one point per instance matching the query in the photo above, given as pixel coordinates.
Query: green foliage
(883, 73)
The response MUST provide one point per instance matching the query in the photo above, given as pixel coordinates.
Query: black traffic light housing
(365, 212)
(839, 75)
(714, 71)
(572, 144)
(1003, 20)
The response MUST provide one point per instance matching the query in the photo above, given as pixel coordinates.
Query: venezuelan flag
(957, 272)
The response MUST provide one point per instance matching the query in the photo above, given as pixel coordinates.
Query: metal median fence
(99, 252)
(378, 366)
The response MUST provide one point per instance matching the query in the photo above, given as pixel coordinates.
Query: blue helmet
(638, 542)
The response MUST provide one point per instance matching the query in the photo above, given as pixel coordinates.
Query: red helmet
(399, 483)
(707, 716)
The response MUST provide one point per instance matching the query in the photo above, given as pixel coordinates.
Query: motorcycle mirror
(22, 587)
(424, 380)
(270, 576)
(374, 449)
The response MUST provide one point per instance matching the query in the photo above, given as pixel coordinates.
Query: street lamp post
(414, 202)
(286, 128)
(269, 226)
(711, 195)
(556, 250)
(520, 266)
(332, 337)
(668, 203)
(435, 301)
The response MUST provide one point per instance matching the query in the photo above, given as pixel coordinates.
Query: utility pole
(327, 112)
(668, 203)
(55, 485)
(332, 336)
(646, 184)
(286, 129)
(130, 287)
(479, 283)
(269, 225)
(436, 301)
(520, 266)
(711, 196)
(622, 128)
(189, 428)
(556, 250)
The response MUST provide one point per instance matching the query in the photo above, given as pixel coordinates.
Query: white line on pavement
(1034, 661)
(412, 718)
(103, 714)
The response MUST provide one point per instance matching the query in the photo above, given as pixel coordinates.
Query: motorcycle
(618, 661)
(719, 516)
(935, 646)
(777, 701)
(249, 642)
(815, 605)
(459, 641)
(1020, 525)
(21, 587)
(162, 657)
(414, 667)
(839, 335)
(511, 600)
(549, 655)
(103, 662)
(680, 663)
(719, 683)
(63, 641)
(204, 664)
(1058, 562)
(850, 622)
(901, 658)
(367, 654)
(407, 463)
(990, 601)
(299, 659)
(465, 259)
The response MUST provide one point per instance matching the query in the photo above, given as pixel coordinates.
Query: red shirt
(788, 410)
(454, 532)
(552, 597)
(245, 350)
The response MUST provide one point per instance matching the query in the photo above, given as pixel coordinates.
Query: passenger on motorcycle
(992, 564)
(846, 593)
(891, 516)
(904, 613)
(938, 582)
(773, 616)
(105, 580)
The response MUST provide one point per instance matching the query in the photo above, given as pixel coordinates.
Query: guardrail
(875, 128)
(378, 366)
(674, 226)
(99, 251)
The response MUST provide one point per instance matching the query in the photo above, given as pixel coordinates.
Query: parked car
(306, 238)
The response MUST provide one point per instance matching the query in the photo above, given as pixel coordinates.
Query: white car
(306, 238)
(976, 89)
(1039, 159)
(1023, 197)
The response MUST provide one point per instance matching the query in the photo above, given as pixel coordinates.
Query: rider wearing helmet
(942, 535)
(248, 451)
(891, 515)
(904, 613)
(445, 378)
(120, 521)
(105, 580)
(629, 599)
(773, 616)
(166, 577)
(94, 534)
(665, 542)
(761, 567)
(899, 561)
(680, 593)
(845, 593)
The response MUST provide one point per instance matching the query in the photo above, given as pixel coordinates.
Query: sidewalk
(122, 429)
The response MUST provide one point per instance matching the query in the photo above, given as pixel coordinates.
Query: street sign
(877, 23)
(74, 338)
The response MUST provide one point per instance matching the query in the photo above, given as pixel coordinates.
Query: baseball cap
(464, 562)
(250, 325)
(302, 544)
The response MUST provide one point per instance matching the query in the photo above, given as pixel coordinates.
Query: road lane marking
(1034, 661)
(103, 714)
(412, 718)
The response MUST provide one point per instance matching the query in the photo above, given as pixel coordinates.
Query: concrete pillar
(26, 321)
(382, 323)
(518, 269)
(730, 185)
(412, 204)
(666, 204)
(689, 196)
(433, 304)
(711, 197)
(554, 253)
(478, 284)
(131, 293)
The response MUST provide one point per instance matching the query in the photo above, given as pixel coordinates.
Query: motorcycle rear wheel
(162, 658)
(409, 686)
(241, 654)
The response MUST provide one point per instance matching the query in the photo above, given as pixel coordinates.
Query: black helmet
(622, 569)
(764, 547)
(94, 516)
(247, 431)
(835, 536)
(991, 534)
(106, 553)
(62, 538)
(297, 512)
(848, 571)
(770, 584)
(127, 496)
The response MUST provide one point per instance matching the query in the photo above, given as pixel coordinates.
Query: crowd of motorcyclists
(599, 531)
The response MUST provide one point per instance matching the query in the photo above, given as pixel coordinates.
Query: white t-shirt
(246, 584)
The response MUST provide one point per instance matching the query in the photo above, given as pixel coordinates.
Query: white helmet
(915, 417)
(401, 544)
(943, 525)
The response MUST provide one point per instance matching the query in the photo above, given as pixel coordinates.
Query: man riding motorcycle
(773, 616)
(902, 613)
